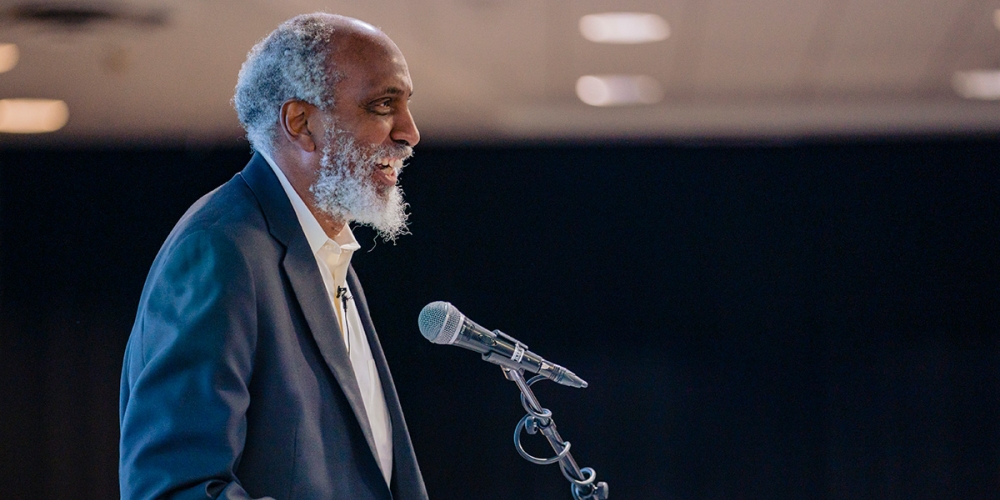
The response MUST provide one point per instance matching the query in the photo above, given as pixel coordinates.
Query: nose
(404, 130)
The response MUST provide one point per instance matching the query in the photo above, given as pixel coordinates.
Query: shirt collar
(315, 235)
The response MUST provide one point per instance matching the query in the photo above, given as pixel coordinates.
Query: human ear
(294, 118)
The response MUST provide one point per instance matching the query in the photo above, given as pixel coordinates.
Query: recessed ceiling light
(32, 116)
(977, 84)
(8, 56)
(618, 90)
(624, 27)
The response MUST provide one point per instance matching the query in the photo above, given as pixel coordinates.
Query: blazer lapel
(307, 284)
(406, 472)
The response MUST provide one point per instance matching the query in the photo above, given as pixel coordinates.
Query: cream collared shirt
(333, 256)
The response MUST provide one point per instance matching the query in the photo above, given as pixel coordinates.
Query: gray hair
(289, 63)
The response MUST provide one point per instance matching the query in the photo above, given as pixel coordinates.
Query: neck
(301, 178)
(332, 226)
(295, 165)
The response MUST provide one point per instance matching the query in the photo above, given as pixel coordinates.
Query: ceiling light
(618, 90)
(977, 84)
(8, 56)
(32, 116)
(624, 27)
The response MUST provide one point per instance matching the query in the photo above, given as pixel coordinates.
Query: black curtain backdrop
(814, 320)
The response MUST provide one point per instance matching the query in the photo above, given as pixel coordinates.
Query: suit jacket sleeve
(186, 373)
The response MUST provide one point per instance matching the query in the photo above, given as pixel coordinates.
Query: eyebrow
(396, 91)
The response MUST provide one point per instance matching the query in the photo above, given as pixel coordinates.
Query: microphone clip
(519, 347)
(508, 363)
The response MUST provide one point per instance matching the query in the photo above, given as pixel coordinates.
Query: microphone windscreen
(440, 322)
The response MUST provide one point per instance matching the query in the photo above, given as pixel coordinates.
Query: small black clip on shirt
(344, 297)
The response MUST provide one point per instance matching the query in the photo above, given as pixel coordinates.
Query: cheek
(374, 134)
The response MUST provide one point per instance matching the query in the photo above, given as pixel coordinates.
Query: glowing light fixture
(32, 116)
(8, 56)
(977, 84)
(624, 27)
(618, 90)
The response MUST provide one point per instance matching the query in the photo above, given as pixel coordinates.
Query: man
(253, 369)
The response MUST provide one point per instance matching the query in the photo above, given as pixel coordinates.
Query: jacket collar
(307, 284)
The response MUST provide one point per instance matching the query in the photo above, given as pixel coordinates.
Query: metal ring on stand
(582, 489)
(585, 489)
(545, 413)
(584, 482)
(533, 459)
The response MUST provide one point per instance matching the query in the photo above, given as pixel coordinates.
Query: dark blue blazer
(236, 383)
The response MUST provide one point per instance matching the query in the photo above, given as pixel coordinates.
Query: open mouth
(387, 170)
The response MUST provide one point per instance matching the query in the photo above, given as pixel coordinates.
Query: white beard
(345, 189)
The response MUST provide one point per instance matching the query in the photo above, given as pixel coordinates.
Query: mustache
(345, 140)
(401, 151)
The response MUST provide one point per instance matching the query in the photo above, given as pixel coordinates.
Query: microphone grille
(440, 322)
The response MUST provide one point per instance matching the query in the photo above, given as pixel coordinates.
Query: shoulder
(230, 208)
(229, 217)
(222, 236)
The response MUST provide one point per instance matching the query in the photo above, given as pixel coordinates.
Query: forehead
(370, 64)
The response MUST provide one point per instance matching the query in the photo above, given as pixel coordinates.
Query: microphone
(442, 323)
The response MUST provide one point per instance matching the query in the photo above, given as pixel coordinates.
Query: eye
(383, 106)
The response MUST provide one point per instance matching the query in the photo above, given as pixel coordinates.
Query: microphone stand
(540, 419)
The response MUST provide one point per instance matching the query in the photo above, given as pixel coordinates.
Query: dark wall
(800, 321)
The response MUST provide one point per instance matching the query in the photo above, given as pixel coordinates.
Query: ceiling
(139, 72)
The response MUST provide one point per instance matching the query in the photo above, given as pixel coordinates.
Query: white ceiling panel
(756, 47)
(152, 71)
(974, 42)
(877, 24)
(880, 72)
